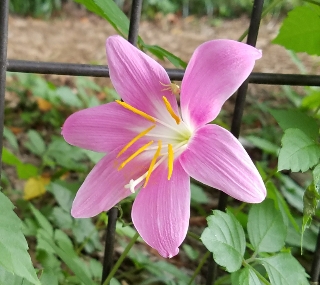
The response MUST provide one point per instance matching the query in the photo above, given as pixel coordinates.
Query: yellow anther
(170, 110)
(170, 161)
(141, 149)
(135, 139)
(136, 111)
(153, 161)
(174, 88)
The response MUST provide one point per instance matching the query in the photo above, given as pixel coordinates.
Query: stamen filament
(141, 149)
(136, 111)
(170, 110)
(143, 133)
(170, 161)
(153, 161)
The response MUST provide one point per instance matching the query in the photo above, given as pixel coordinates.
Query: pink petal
(137, 78)
(216, 158)
(215, 71)
(103, 128)
(104, 186)
(161, 211)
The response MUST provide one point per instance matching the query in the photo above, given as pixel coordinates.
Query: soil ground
(79, 37)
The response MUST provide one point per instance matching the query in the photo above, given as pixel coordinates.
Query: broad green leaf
(61, 218)
(42, 220)
(108, 10)
(11, 138)
(263, 144)
(62, 193)
(288, 119)
(225, 238)
(48, 277)
(95, 268)
(266, 229)
(8, 278)
(9, 158)
(198, 195)
(35, 144)
(316, 177)
(14, 255)
(298, 152)
(312, 100)
(68, 97)
(281, 204)
(284, 269)
(162, 54)
(26, 170)
(85, 231)
(300, 31)
(248, 277)
(67, 254)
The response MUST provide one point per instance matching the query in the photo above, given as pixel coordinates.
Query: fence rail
(175, 74)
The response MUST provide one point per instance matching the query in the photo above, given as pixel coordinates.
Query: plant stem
(262, 279)
(202, 262)
(121, 258)
(264, 13)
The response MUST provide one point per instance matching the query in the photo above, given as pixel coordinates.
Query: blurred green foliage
(210, 8)
(35, 8)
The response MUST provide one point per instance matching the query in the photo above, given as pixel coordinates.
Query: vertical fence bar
(109, 243)
(4, 10)
(134, 21)
(113, 213)
(237, 117)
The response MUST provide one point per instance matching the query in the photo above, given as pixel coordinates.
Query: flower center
(168, 140)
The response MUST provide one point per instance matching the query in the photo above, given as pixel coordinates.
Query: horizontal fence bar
(174, 74)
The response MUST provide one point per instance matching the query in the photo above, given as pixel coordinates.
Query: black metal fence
(174, 74)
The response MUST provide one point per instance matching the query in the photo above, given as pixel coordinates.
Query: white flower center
(167, 141)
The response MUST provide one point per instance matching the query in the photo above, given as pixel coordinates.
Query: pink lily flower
(154, 148)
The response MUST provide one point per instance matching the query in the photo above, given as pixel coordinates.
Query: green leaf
(161, 53)
(35, 144)
(266, 229)
(42, 220)
(316, 177)
(298, 152)
(312, 100)
(263, 144)
(67, 254)
(248, 277)
(14, 255)
(288, 119)
(11, 138)
(68, 97)
(108, 10)
(62, 193)
(7, 278)
(225, 238)
(9, 158)
(61, 218)
(300, 31)
(198, 195)
(48, 277)
(26, 170)
(281, 204)
(284, 269)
